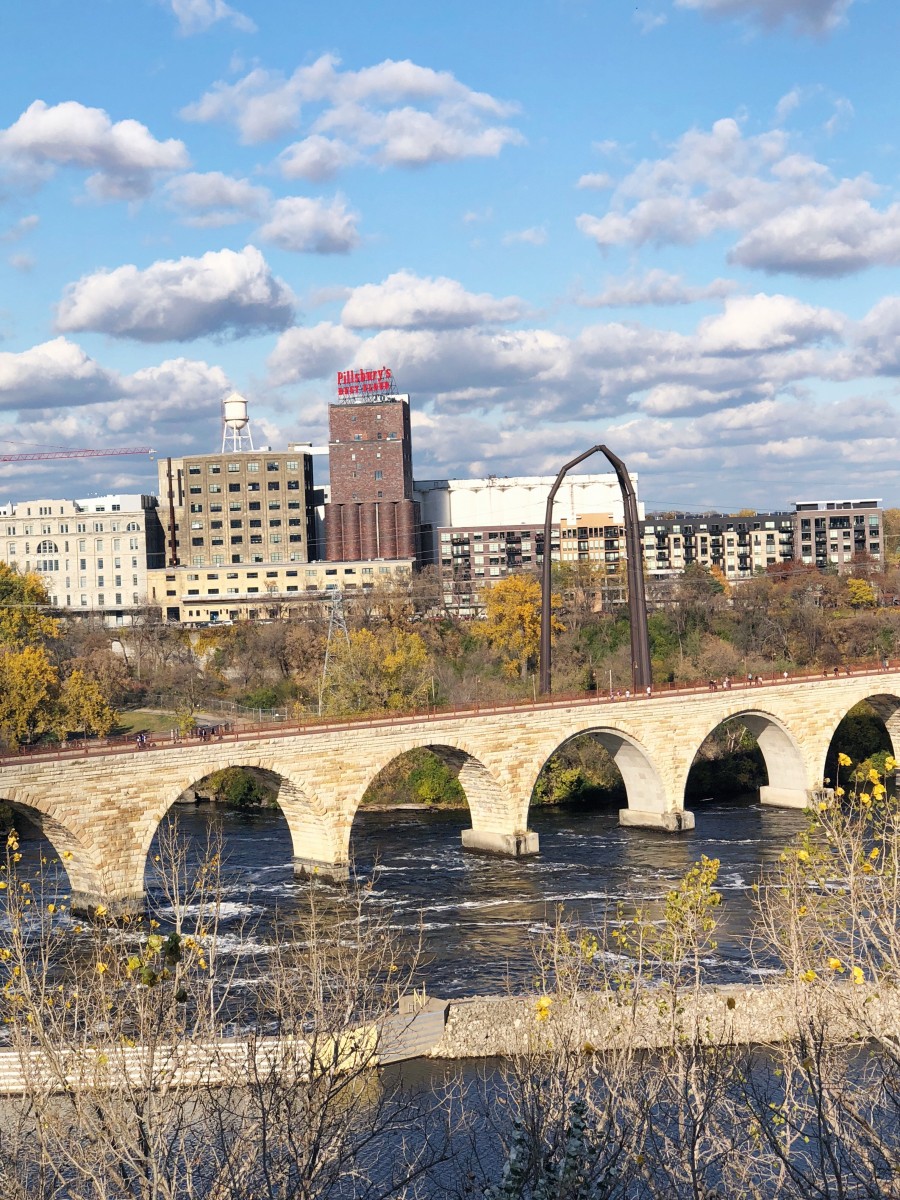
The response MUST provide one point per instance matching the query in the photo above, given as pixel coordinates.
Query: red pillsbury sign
(365, 383)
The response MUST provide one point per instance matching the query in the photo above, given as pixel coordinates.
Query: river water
(482, 917)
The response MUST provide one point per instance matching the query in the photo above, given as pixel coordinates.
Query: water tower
(236, 435)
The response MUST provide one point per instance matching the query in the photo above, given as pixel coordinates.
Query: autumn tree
(512, 622)
(82, 707)
(24, 619)
(861, 594)
(382, 668)
(28, 686)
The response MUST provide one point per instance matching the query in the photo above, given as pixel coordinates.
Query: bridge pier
(778, 797)
(312, 868)
(678, 821)
(87, 904)
(509, 845)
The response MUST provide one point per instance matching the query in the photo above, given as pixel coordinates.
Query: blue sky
(672, 227)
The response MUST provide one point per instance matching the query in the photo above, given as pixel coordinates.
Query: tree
(512, 621)
(23, 601)
(28, 683)
(374, 669)
(82, 707)
(106, 1016)
(861, 593)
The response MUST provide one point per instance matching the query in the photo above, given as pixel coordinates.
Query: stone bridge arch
(791, 763)
(315, 833)
(90, 883)
(651, 801)
(498, 822)
(887, 707)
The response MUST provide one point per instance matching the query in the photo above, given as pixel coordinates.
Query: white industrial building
(512, 501)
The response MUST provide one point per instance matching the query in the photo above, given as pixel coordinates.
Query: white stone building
(93, 554)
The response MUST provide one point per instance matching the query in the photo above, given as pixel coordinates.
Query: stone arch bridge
(100, 808)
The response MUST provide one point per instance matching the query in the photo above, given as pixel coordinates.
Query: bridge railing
(311, 723)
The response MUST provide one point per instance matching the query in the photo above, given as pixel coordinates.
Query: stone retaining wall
(764, 1014)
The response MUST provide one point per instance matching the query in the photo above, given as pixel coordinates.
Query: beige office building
(242, 592)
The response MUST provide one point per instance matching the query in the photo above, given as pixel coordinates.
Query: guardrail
(122, 743)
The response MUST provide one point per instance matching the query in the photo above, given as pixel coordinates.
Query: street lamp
(641, 674)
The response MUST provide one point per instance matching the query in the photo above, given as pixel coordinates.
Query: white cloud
(212, 199)
(649, 21)
(54, 373)
(22, 262)
(761, 323)
(806, 16)
(787, 211)
(55, 394)
(316, 158)
(654, 287)
(19, 230)
(222, 293)
(312, 226)
(838, 236)
(124, 155)
(597, 181)
(196, 16)
(407, 301)
(390, 114)
(536, 235)
(314, 353)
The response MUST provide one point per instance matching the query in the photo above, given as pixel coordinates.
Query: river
(482, 917)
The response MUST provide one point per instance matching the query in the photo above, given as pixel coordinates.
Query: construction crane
(42, 455)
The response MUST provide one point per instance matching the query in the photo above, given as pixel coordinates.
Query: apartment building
(93, 554)
(823, 533)
(738, 545)
(831, 533)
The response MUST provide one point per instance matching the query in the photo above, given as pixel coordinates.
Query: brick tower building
(371, 513)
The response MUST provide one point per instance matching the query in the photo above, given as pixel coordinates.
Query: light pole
(641, 673)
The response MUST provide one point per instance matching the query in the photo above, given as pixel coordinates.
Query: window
(252, 466)
(233, 467)
(132, 527)
(234, 487)
(274, 485)
(214, 469)
(214, 487)
(193, 470)
(272, 466)
(379, 474)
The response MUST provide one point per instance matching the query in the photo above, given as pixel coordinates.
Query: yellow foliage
(512, 621)
(23, 599)
(383, 668)
(83, 707)
(28, 682)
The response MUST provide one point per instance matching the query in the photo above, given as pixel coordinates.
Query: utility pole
(637, 605)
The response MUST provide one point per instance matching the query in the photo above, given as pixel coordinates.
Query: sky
(671, 227)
